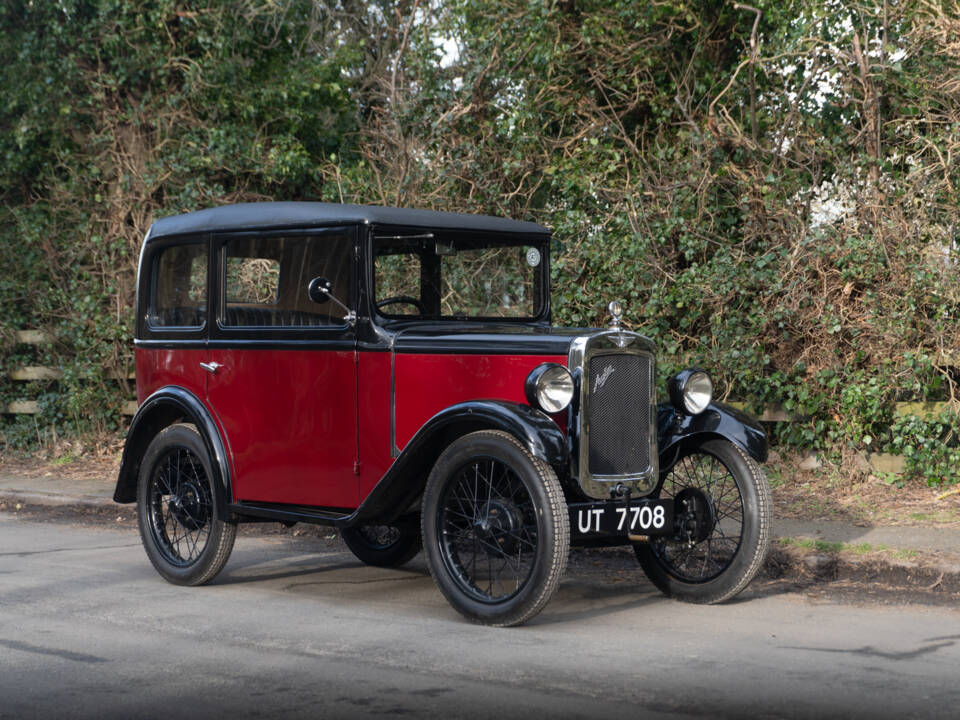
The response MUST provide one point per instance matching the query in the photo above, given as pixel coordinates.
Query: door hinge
(356, 467)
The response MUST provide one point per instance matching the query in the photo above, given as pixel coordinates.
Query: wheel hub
(497, 526)
(187, 506)
(696, 515)
(380, 536)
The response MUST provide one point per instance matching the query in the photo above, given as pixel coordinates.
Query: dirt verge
(854, 576)
(859, 498)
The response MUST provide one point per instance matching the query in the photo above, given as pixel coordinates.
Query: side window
(179, 297)
(266, 279)
(253, 280)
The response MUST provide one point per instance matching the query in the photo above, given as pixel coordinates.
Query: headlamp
(549, 387)
(691, 391)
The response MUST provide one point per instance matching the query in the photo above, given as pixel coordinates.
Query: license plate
(646, 517)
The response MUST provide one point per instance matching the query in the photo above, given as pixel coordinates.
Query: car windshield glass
(447, 276)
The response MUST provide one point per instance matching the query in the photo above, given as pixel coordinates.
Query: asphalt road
(297, 628)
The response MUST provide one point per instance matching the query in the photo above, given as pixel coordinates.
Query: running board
(292, 513)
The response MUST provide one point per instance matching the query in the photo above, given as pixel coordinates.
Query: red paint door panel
(290, 422)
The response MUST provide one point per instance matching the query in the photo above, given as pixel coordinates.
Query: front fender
(534, 428)
(165, 407)
(406, 478)
(676, 431)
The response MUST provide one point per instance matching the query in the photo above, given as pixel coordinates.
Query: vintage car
(394, 373)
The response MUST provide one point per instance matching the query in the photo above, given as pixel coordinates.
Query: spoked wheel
(180, 509)
(495, 528)
(383, 545)
(722, 525)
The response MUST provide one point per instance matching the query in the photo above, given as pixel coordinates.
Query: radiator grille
(617, 414)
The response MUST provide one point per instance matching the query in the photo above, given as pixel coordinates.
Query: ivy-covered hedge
(776, 201)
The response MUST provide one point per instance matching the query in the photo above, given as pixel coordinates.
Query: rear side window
(265, 279)
(180, 287)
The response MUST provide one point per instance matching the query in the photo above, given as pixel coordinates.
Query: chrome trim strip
(614, 341)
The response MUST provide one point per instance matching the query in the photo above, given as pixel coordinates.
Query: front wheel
(181, 508)
(723, 513)
(495, 529)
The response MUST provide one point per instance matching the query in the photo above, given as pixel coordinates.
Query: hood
(487, 338)
(491, 338)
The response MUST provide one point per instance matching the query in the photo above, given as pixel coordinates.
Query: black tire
(181, 508)
(495, 529)
(383, 545)
(722, 561)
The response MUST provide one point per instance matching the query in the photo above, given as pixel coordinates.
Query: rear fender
(163, 408)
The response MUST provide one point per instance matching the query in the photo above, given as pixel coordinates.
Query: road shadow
(599, 582)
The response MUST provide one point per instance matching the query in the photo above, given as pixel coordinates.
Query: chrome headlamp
(691, 391)
(549, 387)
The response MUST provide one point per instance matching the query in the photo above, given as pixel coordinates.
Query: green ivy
(929, 447)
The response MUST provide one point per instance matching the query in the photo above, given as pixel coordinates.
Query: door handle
(211, 367)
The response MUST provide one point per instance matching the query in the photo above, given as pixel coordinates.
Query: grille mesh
(617, 414)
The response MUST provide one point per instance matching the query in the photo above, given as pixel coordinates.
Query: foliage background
(776, 202)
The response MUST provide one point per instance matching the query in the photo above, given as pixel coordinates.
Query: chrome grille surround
(583, 350)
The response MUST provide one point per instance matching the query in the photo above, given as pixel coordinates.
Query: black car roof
(264, 215)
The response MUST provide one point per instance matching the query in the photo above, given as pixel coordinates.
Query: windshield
(447, 275)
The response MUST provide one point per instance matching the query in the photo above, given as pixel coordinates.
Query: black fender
(676, 431)
(403, 483)
(165, 407)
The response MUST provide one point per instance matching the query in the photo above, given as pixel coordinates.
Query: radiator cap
(616, 312)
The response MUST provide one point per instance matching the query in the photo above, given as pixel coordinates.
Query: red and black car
(394, 373)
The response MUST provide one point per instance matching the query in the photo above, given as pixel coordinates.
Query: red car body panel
(374, 419)
(427, 384)
(157, 368)
(449, 379)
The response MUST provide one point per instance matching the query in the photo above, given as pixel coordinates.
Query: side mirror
(319, 290)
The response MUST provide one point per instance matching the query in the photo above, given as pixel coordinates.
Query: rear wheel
(723, 514)
(383, 545)
(180, 508)
(495, 529)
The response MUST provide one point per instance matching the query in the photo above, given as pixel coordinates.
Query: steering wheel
(405, 299)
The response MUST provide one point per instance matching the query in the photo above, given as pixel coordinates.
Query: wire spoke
(180, 506)
(488, 538)
(703, 560)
